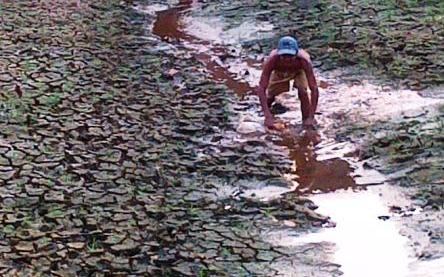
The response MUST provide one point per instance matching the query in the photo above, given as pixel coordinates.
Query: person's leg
(305, 103)
(278, 84)
(314, 96)
(301, 83)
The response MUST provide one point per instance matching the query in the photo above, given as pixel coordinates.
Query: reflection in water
(366, 246)
(313, 175)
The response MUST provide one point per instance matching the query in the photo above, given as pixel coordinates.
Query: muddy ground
(121, 152)
(110, 166)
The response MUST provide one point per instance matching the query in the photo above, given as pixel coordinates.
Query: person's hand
(273, 124)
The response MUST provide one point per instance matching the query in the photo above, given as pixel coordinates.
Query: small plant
(194, 212)
(203, 272)
(68, 86)
(56, 213)
(92, 245)
(284, 13)
(97, 63)
(26, 222)
(66, 178)
(132, 222)
(53, 100)
(267, 211)
(44, 241)
(8, 229)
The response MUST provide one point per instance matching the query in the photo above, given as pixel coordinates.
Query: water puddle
(213, 30)
(366, 242)
(311, 173)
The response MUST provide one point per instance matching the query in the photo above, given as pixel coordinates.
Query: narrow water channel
(365, 243)
(169, 26)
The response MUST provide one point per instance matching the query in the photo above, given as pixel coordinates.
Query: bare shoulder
(272, 57)
(273, 53)
(305, 63)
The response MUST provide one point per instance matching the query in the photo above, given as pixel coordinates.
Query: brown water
(167, 24)
(314, 175)
(168, 27)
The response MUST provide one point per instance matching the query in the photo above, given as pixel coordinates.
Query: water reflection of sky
(366, 246)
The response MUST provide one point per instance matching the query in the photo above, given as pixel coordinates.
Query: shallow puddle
(311, 173)
(366, 239)
(366, 243)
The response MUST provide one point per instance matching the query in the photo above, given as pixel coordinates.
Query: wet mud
(169, 25)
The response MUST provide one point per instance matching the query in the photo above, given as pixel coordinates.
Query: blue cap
(287, 45)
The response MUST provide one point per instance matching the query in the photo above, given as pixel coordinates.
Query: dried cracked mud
(119, 150)
(110, 165)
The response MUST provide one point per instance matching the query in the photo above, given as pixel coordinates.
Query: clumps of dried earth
(112, 163)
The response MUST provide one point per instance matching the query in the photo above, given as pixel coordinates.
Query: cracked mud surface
(109, 165)
(119, 155)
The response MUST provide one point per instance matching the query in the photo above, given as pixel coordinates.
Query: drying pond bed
(113, 162)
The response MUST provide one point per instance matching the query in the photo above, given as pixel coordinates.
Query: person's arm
(263, 84)
(308, 68)
(304, 55)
